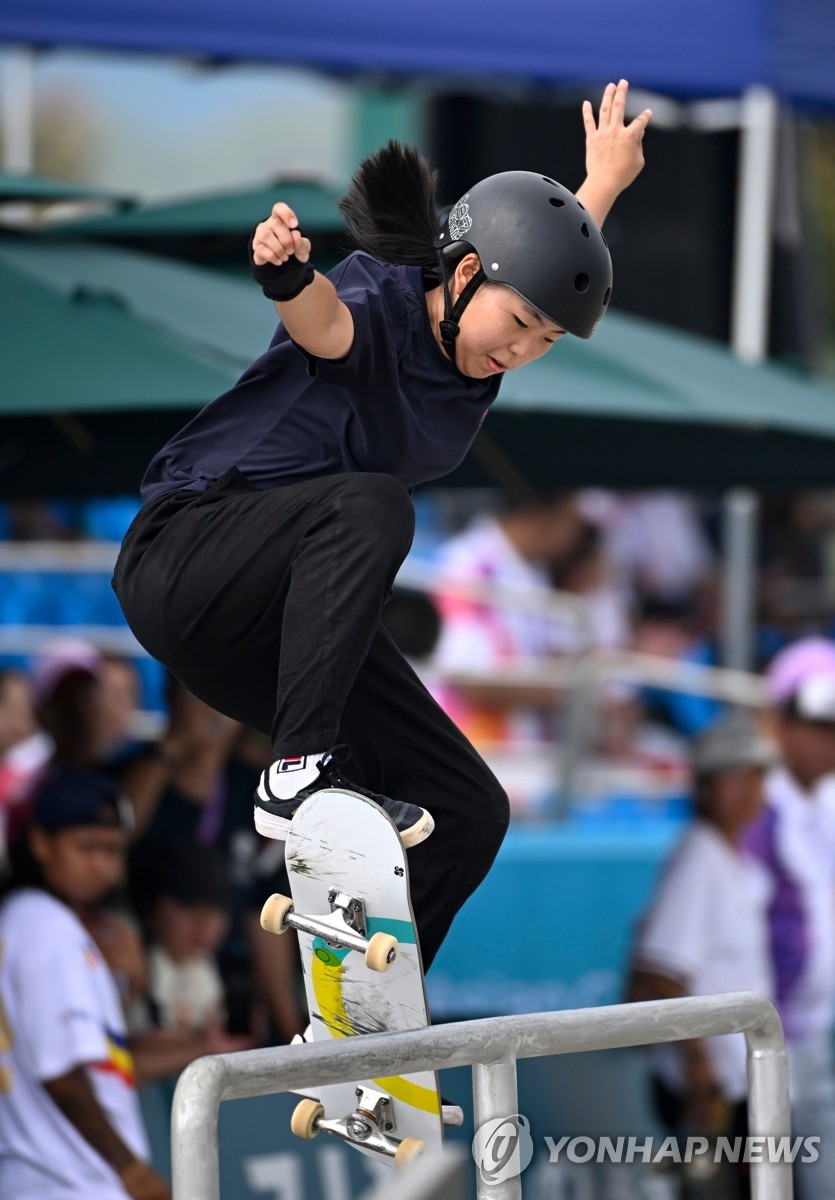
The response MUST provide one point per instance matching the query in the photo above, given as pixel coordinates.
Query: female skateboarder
(275, 522)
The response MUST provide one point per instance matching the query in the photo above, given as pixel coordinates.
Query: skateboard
(362, 968)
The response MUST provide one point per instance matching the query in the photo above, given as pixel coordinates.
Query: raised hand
(278, 238)
(614, 149)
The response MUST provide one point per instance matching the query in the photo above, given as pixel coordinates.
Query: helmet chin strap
(452, 312)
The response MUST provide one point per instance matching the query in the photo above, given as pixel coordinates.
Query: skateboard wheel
(304, 1118)
(274, 913)
(408, 1150)
(380, 952)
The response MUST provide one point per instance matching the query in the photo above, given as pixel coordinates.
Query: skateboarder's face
(499, 330)
(81, 865)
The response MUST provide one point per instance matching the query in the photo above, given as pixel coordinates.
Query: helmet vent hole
(581, 282)
(584, 229)
(553, 182)
(607, 297)
(556, 202)
(579, 205)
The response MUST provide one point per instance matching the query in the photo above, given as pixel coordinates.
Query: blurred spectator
(518, 559)
(23, 747)
(584, 571)
(121, 700)
(265, 993)
(186, 795)
(86, 703)
(66, 678)
(518, 551)
(678, 631)
(706, 931)
(655, 542)
(795, 840)
(70, 1123)
(181, 891)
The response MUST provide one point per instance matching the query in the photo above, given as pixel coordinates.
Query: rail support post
(769, 1112)
(495, 1098)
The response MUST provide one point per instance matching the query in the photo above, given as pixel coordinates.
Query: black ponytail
(390, 208)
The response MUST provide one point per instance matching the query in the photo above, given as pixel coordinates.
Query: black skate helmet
(535, 236)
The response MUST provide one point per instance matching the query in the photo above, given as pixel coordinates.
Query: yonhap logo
(502, 1148)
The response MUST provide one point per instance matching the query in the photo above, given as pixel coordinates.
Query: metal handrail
(491, 1046)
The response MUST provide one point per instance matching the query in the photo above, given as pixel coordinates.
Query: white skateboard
(362, 968)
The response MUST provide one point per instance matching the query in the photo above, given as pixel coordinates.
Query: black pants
(266, 605)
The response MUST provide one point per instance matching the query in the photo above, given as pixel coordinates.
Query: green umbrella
(230, 212)
(641, 405)
(637, 405)
(86, 350)
(222, 320)
(87, 388)
(20, 186)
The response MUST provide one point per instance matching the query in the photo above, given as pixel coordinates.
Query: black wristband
(282, 282)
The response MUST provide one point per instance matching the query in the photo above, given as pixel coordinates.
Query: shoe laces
(330, 762)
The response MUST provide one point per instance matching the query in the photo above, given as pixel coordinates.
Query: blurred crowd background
(575, 597)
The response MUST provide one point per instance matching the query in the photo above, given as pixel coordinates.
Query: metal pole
(17, 108)
(195, 1167)
(739, 544)
(580, 726)
(769, 1112)
(750, 303)
(495, 1099)
(750, 308)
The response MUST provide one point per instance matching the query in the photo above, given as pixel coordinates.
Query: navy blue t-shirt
(395, 404)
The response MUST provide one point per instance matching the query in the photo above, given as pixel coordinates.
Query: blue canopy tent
(712, 48)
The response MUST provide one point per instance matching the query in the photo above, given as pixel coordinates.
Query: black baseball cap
(69, 799)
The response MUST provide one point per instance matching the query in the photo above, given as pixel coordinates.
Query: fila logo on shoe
(293, 764)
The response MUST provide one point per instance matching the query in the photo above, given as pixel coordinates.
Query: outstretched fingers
(614, 151)
(639, 124)
(619, 102)
(606, 105)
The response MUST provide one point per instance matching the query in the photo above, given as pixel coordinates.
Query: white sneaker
(273, 814)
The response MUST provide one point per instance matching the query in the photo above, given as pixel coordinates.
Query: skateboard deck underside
(338, 839)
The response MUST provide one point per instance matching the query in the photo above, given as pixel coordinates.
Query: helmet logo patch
(460, 221)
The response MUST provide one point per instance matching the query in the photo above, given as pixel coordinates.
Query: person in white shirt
(795, 840)
(70, 1123)
(706, 931)
(515, 557)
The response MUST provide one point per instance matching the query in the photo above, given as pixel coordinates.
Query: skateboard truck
(370, 1125)
(345, 927)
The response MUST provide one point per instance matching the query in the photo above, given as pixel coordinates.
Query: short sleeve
(59, 1017)
(674, 937)
(380, 311)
